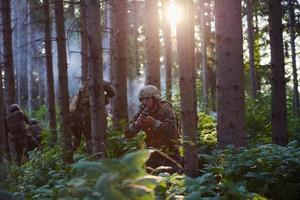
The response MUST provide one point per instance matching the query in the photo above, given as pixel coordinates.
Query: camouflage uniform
(16, 122)
(34, 135)
(164, 137)
(80, 116)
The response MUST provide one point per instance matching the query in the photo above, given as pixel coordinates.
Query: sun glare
(174, 13)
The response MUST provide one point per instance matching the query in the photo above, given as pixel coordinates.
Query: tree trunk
(120, 69)
(152, 43)
(204, 64)
(135, 38)
(230, 74)
(168, 50)
(50, 79)
(8, 52)
(251, 48)
(4, 147)
(30, 63)
(63, 81)
(191, 31)
(41, 81)
(187, 82)
(96, 92)
(296, 105)
(279, 118)
(108, 44)
(18, 50)
(23, 47)
(84, 42)
(256, 43)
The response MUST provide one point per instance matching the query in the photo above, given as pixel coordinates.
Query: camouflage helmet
(149, 91)
(13, 107)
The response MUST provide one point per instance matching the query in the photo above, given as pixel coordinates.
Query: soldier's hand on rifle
(148, 121)
(138, 122)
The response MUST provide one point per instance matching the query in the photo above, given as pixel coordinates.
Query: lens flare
(174, 13)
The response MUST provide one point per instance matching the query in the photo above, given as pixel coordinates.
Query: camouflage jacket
(81, 100)
(35, 131)
(15, 122)
(166, 136)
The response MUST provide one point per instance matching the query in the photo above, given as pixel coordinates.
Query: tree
(152, 43)
(23, 49)
(187, 82)
(251, 48)
(84, 42)
(120, 69)
(50, 79)
(63, 81)
(296, 104)
(96, 92)
(8, 52)
(168, 50)
(204, 36)
(279, 118)
(230, 74)
(4, 148)
(31, 55)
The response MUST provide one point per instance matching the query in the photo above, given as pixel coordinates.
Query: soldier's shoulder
(166, 105)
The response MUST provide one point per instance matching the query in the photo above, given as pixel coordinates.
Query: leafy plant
(269, 170)
(43, 176)
(115, 179)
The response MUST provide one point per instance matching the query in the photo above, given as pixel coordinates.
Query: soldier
(34, 135)
(80, 114)
(16, 122)
(158, 120)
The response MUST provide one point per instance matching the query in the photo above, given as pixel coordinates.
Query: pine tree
(251, 48)
(230, 74)
(279, 113)
(50, 79)
(187, 87)
(96, 92)
(168, 50)
(152, 43)
(120, 69)
(8, 52)
(63, 81)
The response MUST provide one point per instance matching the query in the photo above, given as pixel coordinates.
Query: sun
(174, 13)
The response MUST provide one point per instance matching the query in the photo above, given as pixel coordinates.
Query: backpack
(15, 122)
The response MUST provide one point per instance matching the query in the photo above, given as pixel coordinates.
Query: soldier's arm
(132, 129)
(25, 118)
(168, 125)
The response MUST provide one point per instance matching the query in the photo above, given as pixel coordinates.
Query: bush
(43, 176)
(122, 179)
(270, 170)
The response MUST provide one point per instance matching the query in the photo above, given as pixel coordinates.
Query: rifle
(141, 113)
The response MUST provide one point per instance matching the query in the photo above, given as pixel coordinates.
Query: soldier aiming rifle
(158, 120)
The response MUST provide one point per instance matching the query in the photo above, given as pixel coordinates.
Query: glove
(148, 121)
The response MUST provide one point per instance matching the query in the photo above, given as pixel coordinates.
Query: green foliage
(258, 119)
(115, 179)
(269, 170)
(43, 176)
(42, 115)
(208, 133)
(119, 145)
(293, 122)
